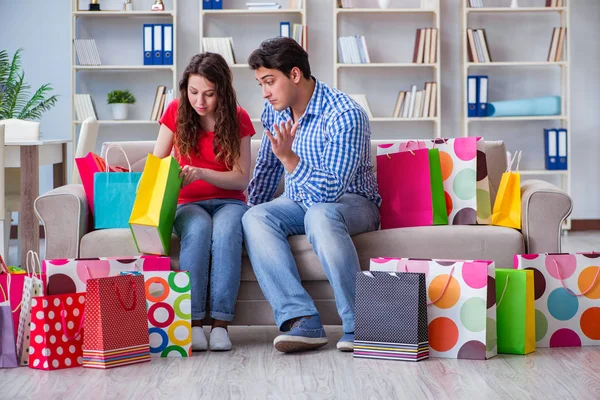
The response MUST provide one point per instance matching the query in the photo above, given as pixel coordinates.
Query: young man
(320, 138)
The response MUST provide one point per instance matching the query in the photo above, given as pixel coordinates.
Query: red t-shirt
(206, 158)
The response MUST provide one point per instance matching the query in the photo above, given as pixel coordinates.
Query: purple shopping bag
(8, 349)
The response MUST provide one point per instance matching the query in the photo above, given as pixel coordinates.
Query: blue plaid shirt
(333, 141)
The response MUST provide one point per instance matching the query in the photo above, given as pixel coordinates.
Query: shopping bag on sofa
(405, 187)
(515, 311)
(461, 304)
(391, 316)
(87, 167)
(114, 195)
(8, 348)
(168, 294)
(507, 207)
(70, 275)
(153, 214)
(567, 298)
(56, 331)
(33, 286)
(116, 323)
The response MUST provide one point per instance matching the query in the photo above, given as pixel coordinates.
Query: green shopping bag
(440, 215)
(515, 311)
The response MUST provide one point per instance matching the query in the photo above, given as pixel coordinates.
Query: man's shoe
(346, 343)
(307, 333)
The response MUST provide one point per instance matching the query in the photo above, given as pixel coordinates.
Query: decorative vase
(119, 111)
(383, 3)
(514, 4)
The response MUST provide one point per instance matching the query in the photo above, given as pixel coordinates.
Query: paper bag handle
(443, 290)
(504, 291)
(4, 293)
(133, 285)
(516, 156)
(569, 290)
(122, 151)
(64, 324)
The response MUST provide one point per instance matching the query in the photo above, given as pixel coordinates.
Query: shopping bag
(13, 282)
(391, 316)
(116, 323)
(114, 195)
(507, 207)
(87, 167)
(440, 212)
(57, 331)
(153, 214)
(484, 204)
(515, 311)
(404, 184)
(70, 275)
(567, 298)
(461, 304)
(168, 296)
(8, 348)
(33, 286)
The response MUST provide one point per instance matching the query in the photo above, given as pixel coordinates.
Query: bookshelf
(233, 21)
(475, 125)
(355, 77)
(119, 39)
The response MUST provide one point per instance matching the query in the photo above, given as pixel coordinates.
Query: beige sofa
(69, 234)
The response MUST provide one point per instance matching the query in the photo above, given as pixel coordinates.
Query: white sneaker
(199, 342)
(219, 339)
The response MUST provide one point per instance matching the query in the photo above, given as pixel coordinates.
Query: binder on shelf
(157, 45)
(472, 93)
(217, 4)
(168, 44)
(482, 98)
(148, 35)
(284, 29)
(551, 149)
(562, 149)
(207, 4)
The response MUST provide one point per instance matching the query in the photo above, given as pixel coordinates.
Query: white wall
(42, 27)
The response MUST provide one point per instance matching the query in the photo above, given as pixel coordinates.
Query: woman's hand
(190, 174)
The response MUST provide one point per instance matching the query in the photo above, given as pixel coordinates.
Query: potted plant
(119, 100)
(14, 91)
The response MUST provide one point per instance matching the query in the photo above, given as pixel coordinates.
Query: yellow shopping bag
(507, 207)
(155, 204)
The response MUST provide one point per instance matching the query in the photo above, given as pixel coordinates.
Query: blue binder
(167, 35)
(147, 35)
(482, 95)
(285, 29)
(551, 149)
(562, 149)
(217, 4)
(207, 4)
(472, 94)
(157, 45)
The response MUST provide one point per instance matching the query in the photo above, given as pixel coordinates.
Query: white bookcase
(511, 18)
(233, 21)
(119, 39)
(390, 36)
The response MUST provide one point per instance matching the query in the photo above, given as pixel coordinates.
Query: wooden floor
(254, 370)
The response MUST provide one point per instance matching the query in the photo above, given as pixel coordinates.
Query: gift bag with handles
(114, 195)
(33, 287)
(8, 349)
(507, 207)
(13, 282)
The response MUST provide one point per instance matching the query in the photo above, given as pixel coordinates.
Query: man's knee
(321, 217)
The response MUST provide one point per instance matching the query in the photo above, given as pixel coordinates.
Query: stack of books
(477, 48)
(425, 51)
(476, 3)
(262, 6)
(161, 100)
(84, 107)
(353, 50)
(417, 103)
(87, 52)
(220, 45)
(555, 3)
(557, 45)
(344, 3)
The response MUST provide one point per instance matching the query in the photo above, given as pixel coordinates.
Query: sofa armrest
(64, 212)
(544, 208)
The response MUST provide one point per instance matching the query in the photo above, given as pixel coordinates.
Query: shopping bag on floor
(567, 298)
(507, 207)
(57, 331)
(116, 323)
(70, 275)
(13, 282)
(515, 311)
(33, 287)
(404, 184)
(153, 214)
(391, 316)
(461, 304)
(8, 348)
(114, 195)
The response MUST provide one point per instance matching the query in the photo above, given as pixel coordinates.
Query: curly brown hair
(226, 143)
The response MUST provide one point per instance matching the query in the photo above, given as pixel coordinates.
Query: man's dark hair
(280, 53)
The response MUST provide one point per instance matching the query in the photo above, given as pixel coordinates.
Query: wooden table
(28, 156)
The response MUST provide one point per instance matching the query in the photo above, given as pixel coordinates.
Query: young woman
(210, 135)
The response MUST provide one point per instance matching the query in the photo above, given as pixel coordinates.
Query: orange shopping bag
(507, 207)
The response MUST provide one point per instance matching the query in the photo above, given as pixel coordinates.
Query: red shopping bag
(116, 322)
(56, 337)
(405, 187)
